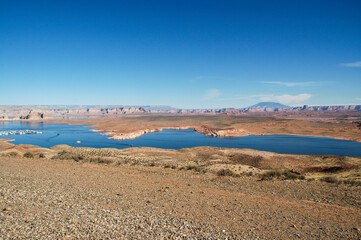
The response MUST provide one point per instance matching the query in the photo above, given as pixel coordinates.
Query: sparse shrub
(327, 169)
(28, 155)
(283, 175)
(240, 158)
(329, 179)
(107, 161)
(291, 175)
(77, 158)
(64, 155)
(13, 154)
(200, 170)
(170, 166)
(270, 175)
(226, 172)
(352, 182)
(191, 167)
(101, 160)
(135, 163)
(195, 168)
(41, 155)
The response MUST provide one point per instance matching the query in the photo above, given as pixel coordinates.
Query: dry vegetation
(217, 161)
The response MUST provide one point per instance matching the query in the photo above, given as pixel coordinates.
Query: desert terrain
(213, 193)
(128, 127)
(180, 120)
(201, 192)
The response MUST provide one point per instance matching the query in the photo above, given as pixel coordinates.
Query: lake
(55, 134)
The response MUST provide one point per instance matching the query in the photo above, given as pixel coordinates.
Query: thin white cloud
(286, 98)
(358, 98)
(352, 64)
(290, 84)
(212, 94)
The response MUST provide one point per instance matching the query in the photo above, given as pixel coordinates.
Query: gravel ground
(56, 199)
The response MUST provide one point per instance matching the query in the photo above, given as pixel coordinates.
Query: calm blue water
(55, 134)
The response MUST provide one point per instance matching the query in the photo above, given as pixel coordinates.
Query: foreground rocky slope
(64, 199)
(144, 193)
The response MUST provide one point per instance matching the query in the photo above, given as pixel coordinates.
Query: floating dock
(19, 132)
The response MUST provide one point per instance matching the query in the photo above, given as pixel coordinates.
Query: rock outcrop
(305, 108)
(33, 116)
(52, 112)
(28, 113)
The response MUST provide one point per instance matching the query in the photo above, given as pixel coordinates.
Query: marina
(19, 132)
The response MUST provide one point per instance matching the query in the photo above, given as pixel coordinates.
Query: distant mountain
(269, 105)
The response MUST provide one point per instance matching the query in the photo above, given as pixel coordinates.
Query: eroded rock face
(137, 133)
(33, 116)
(37, 113)
(28, 113)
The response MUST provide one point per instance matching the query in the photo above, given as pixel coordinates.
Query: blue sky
(188, 54)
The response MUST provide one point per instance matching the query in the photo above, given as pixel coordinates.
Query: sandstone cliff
(49, 112)
(28, 113)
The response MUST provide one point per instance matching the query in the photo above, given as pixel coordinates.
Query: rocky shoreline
(221, 133)
(132, 135)
(203, 130)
